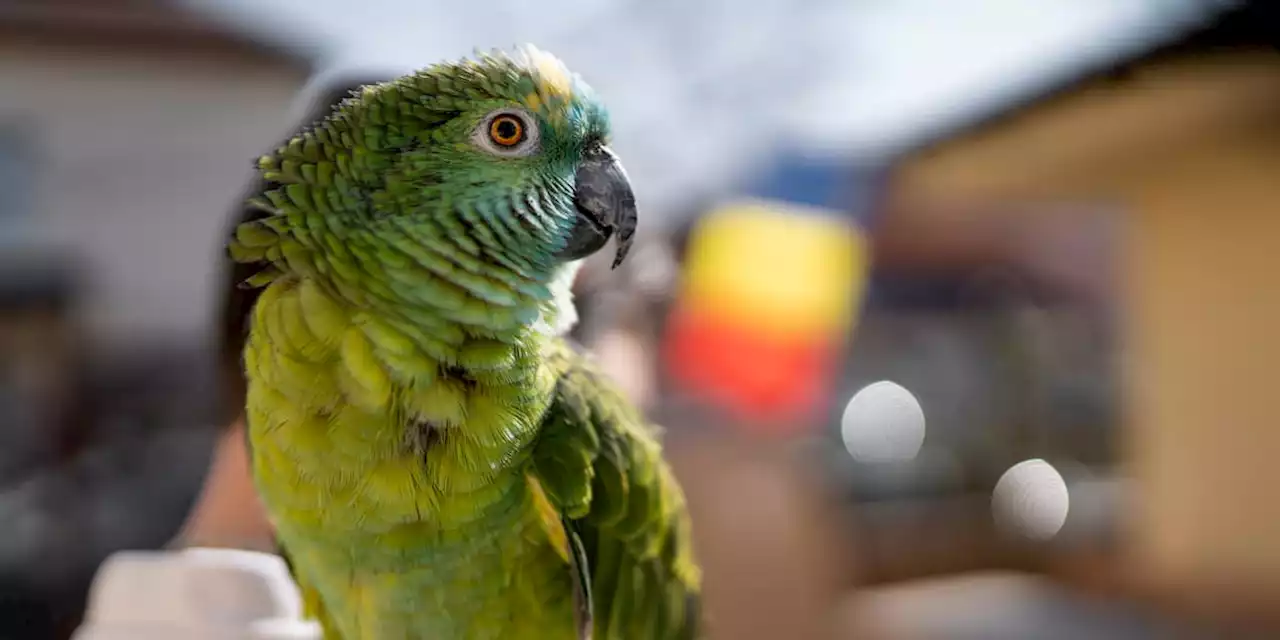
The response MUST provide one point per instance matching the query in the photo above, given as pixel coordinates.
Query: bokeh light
(883, 422)
(1031, 499)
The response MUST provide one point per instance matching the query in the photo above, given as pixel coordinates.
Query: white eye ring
(526, 127)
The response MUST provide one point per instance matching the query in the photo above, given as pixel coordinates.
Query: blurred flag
(772, 281)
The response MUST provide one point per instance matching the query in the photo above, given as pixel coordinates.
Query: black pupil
(507, 129)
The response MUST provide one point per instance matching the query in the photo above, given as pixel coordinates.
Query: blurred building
(126, 129)
(1175, 149)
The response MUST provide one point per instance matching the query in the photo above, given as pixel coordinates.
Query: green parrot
(437, 460)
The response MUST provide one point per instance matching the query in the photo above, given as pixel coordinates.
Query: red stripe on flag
(749, 373)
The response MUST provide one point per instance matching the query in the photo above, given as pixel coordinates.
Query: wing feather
(601, 464)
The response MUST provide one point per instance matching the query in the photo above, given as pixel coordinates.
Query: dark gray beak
(605, 205)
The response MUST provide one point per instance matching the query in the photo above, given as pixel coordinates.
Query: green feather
(437, 465)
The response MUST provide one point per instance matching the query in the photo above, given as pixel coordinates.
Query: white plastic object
(195, 594)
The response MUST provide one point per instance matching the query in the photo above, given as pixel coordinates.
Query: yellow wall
(1192, 152)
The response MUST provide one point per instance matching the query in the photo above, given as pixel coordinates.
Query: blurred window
(17, 178)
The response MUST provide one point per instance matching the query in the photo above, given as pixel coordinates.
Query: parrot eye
(508, 132)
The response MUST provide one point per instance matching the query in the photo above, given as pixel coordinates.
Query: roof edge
(139, 26)
(1250, 25)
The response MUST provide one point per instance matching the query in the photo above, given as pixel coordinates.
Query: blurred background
(958, 314)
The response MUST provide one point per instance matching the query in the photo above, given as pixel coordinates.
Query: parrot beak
(605, 205)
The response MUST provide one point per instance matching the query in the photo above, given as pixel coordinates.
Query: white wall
(139, 160)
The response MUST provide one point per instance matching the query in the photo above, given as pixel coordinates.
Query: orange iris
(507, 131)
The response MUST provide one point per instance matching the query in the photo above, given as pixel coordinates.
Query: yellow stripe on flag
(778, 271)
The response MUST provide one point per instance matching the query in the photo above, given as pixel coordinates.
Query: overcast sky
(685, 79)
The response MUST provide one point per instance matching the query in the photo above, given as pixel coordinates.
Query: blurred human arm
(227, 512)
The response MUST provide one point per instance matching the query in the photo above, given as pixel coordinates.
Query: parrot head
(483, 181)
(519, 142)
